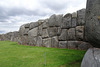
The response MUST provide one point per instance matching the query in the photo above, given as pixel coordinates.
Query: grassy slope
(14, 55)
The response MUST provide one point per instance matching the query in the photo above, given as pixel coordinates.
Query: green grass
(14, 55)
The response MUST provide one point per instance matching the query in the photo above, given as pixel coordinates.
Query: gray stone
(79, 32)
(45, 24)
(73, 44)
(63, 44)
(81, 17)
(74, 15)
(39, 41)
(47, 42)
(55, 20)
(91, 58)
(27, 25)
(40, 30)
(66, 21)
(55, 42)
(32, 40)
(33, 25)
(40, 22)
(64, 35)
(33, 32)
(71, 34)
(74, 20)
(58, 31)
(22, 30)
(92, 26)
(52, 31)
(84, 46)
(45, 33)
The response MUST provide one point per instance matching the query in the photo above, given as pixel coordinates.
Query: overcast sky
(14, 13)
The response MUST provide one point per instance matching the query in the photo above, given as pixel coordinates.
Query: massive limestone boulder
(66, 24)
(55, 20)
(81, 17)
(92, 26)
(91, 58)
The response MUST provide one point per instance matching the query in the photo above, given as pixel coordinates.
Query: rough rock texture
(58, 31)
(79, 32)
(64, 35)
(91, 58)
(63, 44)
(92, 27)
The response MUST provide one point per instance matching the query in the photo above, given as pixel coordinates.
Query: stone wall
(58, 31)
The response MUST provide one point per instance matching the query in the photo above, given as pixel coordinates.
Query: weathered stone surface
(40, 22)
(74, 21)
(40, 30)
(33, 25)
(55, 42)
(91, 58)
(45, 33)
(73, 44)
(71, 34)
(66, 21)
(33, 32)
(32, 40)
(79, 32)
(45, 24)
(92, 26)
(47, 42)
(39, 41)
(81, 17)
(74, 15)
(84, 46)
(22, 30)
(64, 35)
(63, 44)
(27, 25)
(58, 31)
(55, 20)
(23, 40)
(52, 31)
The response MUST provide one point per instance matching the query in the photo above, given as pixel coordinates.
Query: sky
(14, 13)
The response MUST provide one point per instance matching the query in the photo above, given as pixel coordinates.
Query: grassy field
(14, 55)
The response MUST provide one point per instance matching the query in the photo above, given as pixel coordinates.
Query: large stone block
(71, 34)
(47, 42)
(55, 20)
(52, 31)
(33, 25)
(79, 32)
(91, 58)
(39, 41)
(33, 32)
(81, 17)
(22, 30)
(45, 24)
(73, 44)
(58, 31)
(84, 46)
(32, 40)
(92, 26)
(63, 44)
(74, 21)
(74, 15)
(27, 25)
(55, 42)
(66, 21)
(64, 35)
(40, 30)
(45, 33)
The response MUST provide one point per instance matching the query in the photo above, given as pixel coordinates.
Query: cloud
(14, 13)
